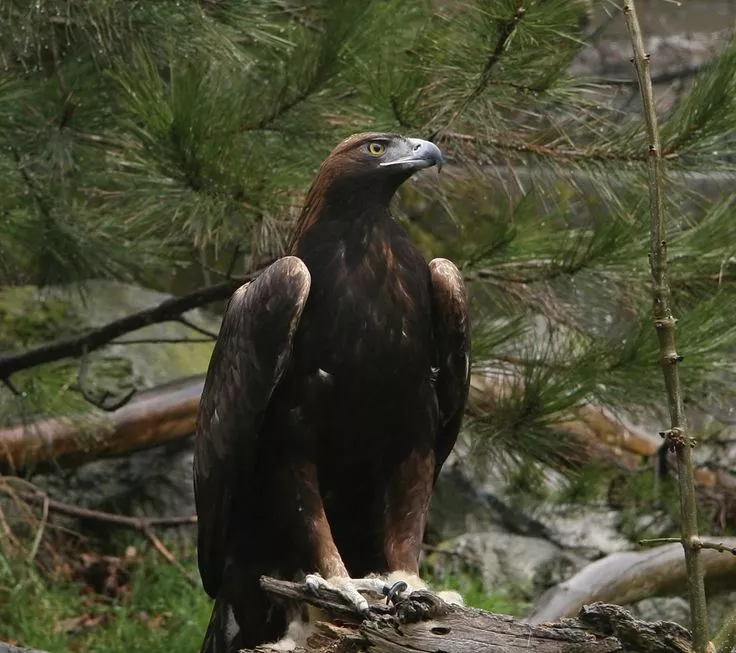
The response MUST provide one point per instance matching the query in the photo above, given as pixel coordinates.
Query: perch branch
(664, 323)
(422, 623)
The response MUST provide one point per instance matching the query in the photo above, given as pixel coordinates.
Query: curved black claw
(393, 591)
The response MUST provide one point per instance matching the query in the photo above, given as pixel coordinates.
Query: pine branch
(664, 323)
(89, 341)
(506, 30)
(591, 153)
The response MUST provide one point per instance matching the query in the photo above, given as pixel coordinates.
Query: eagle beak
(423, 155)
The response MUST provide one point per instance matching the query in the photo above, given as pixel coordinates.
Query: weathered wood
(631, 576)
(424, 623)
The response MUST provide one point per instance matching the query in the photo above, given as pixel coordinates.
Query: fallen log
(424, 623)
(152, 417)
(169, 412)
(631, 576)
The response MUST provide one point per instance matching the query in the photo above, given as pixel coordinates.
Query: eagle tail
(243, 616)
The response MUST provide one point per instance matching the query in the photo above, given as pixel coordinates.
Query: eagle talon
(393, 591)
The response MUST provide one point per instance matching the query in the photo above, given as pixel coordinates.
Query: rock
(677, 609)
(589, 531)
(500, 559)
(671, 608)
(151, 482)
(462, 503)
(670, 53)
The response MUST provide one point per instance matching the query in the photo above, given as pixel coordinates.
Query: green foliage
(142, 138)
(159, 611)
(502, 600)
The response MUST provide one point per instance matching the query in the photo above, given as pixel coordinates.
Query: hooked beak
(423, 154)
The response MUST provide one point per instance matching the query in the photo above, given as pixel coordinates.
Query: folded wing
(452, 342)
(251, 355)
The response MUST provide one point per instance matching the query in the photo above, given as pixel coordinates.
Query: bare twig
(233, 261)
(700, 544)
(195, 327)
(664, 323)
(169, 309)
(12, 387)
(40, 531)
(143, 525)
(101, 403)
(158, 341)
(170, 558)
(665, 77)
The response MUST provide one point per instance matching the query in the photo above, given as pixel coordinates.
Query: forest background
(166, 146)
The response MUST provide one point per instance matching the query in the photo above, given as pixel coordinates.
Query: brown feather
(324, 422)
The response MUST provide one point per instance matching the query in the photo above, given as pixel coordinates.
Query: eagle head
(379, 156)
(362, 174)
(374, 164)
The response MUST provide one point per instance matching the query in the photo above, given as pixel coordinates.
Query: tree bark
(424, 623)
(632, 576)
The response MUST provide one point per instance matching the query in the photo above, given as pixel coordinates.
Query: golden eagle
(334, 395)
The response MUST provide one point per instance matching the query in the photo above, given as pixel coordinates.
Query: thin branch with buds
(676, 437)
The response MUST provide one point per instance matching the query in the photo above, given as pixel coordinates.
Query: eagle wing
(251, 355)
(452, 341)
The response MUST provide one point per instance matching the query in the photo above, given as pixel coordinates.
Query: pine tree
(138, 138)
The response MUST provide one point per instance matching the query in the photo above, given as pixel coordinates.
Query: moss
(28, 318)
(504, 599)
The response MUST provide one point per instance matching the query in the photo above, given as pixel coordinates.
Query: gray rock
(151, 482)
(589, 531)
(677, 609)
(500, 559)
(462, 503)
(671, 608)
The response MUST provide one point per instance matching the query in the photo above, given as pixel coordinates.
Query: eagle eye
(376, 149)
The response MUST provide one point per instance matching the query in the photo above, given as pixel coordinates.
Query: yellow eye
(376, 149)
